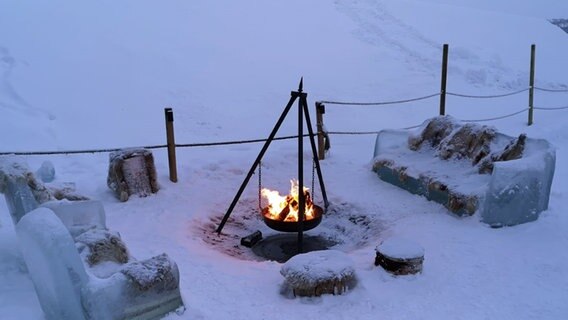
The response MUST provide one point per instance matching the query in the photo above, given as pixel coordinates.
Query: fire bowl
(292, 226)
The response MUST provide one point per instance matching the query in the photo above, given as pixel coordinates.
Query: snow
(400, 248)
(83, 75)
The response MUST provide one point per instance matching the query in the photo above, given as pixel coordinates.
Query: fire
(285, 208)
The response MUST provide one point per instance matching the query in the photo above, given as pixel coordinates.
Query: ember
(285, 208)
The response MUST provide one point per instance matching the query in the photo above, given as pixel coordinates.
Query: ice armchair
(68, 290)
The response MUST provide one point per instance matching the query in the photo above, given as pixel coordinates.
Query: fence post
(531, 85)
(444, 80)
(169, 114)
(320, 110)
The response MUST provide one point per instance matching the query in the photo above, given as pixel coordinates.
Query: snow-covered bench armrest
(520, 189)
(389, 140)
(54, 265)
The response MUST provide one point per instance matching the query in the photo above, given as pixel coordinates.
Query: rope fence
(323, 135)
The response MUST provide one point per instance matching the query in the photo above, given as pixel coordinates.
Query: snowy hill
(82, 75)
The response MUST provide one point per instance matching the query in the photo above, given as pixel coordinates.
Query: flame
(285, 208)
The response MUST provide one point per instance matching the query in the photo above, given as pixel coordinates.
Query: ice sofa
(469, 168)
(79, 268)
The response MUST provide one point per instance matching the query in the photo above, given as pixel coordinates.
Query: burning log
(283, 214)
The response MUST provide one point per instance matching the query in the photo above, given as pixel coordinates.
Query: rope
(498, 118)
(488, 96)
(548, 109)
(366, 132)
(378, 103)
(353, 132)
(188, 145)
(225, 143)
(38, 153)
(551, 90)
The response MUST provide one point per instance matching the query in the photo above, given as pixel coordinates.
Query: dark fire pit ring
(292, 226)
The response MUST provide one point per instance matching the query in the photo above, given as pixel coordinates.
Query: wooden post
(169, 114)
(320, 110)
(444, 79)
(531, 85)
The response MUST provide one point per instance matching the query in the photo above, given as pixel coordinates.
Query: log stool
(132, 171)
(400, 256)
(319, 272)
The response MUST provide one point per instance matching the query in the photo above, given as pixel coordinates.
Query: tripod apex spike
(301, 87)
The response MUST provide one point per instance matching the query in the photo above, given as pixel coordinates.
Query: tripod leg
(255, 164)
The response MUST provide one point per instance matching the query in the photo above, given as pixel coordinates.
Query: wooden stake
(531, 85)
(169, 114)
(320, 110)
(444, 80)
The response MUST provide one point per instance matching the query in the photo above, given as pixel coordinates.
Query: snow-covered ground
(82, 75)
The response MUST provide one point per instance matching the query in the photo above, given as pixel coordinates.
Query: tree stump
(319, 272)
(400, 256)
(132, 171)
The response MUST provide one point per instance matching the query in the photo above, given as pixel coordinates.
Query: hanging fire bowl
(292, 226)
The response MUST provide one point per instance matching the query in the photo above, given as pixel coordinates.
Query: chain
(313, 179)
(260, 185)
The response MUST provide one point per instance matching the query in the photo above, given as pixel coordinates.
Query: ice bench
(469, 168)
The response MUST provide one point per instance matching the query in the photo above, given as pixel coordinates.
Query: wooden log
(319, 272)
(250, 240)
(400, 257)
(284, 213)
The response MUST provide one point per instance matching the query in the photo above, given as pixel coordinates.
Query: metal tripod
(303, 112)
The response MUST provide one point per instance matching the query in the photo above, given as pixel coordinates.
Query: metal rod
(531, 85)
(294, 96)
(444, 80)
(301, 196)
(169, 115)
(320, 110)
(314, 152)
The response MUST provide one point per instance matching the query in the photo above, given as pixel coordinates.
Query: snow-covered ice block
(23, 192)
(79, 216)
(319, 272)
(46, 172)
(19, 198)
